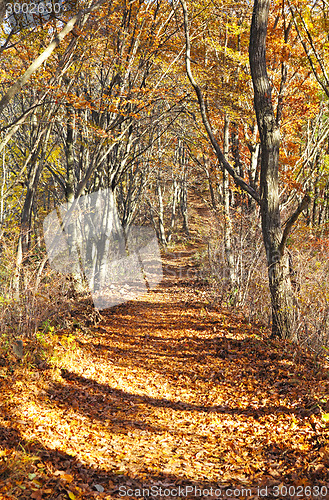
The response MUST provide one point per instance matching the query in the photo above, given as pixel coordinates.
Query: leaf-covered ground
(165, 392)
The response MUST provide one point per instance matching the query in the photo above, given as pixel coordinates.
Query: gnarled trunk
(278, 266)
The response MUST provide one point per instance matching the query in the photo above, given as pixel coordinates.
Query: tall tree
(274, 236)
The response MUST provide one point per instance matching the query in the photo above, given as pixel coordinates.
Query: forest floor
(168, 393)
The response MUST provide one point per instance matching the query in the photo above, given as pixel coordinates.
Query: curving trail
(166, 391)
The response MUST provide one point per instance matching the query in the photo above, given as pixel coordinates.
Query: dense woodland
(208, 122)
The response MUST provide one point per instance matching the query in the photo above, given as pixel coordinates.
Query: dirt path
(169, 393)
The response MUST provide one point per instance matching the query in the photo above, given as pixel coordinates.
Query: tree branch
(291, 221)
(325, 86)
(14, 89)
(237, 179)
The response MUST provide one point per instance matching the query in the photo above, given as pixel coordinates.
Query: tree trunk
(277, 260)
(235, 150)
(183, 191)
(254, 148)
(36, 164)
(162, 233)
(208, 171)
(70, 187)
(227, 219)
(69, 150)
(183, 203)
(17, 272)
(315, 207)
(175, 197)
(26, 217)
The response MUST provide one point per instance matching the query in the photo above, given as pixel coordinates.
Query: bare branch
(237, 179)
(308, 52)
(291, 221)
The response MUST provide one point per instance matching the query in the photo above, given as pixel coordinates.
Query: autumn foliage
(183, 387)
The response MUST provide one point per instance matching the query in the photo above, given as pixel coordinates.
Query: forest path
(165, 391)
